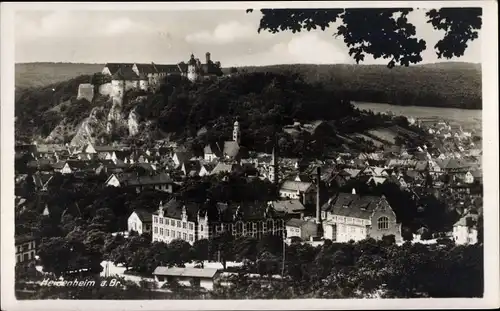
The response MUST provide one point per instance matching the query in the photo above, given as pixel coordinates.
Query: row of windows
(294, 230)
(352, 229)
(26, 246)
(174, 234)
(173, 223)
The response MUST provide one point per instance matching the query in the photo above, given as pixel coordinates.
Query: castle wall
(86, 91)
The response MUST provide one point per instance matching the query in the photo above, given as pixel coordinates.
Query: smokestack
(318, 180)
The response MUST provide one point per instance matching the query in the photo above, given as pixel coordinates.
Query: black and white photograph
(258, 152)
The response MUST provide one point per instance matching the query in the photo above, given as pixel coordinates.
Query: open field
(41, 74)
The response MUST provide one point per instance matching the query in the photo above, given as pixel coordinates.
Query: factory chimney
(318, 184)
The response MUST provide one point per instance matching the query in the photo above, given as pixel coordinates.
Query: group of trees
(362, 269)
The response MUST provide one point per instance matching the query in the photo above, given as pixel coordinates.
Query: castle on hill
(147, 77)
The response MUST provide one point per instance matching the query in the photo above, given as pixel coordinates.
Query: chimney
(353, 190)
(207, 56)
(318, 181)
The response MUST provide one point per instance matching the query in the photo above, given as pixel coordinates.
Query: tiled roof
(352, 205)
(225, 168)
(132, 179)
(212, 149)
(147, 68)
(288, 206)
(144, 216)
(231, 149)
(168, 68)
(114, 67)
(186, 272)
(296, 222)
(173, 209)
(468, 220)
(296, 185)
(126, 73)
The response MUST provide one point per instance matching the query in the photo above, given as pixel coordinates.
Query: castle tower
(192, 70)
(236, 132)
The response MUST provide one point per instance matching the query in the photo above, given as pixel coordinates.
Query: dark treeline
(453, 85)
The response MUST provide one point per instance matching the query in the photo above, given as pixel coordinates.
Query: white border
(490, 154)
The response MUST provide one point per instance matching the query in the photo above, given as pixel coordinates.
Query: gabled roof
(144, 216)
(297, 223)
(173, 209)
(149, 180)
(168, 68)
(147, 68)
(225, 168)
(469, 220)
(191, 166)
(352, 205)
(126, 73)
(300, 186)
(212, 149)
(114, 67)
(288, 206)
(231, 149)
(183, 156)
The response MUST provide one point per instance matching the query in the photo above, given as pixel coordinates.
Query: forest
(447, 85)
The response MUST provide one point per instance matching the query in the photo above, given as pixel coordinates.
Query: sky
(169, 37)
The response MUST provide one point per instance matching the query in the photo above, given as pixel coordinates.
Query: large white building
(174, 221)
(348, 216)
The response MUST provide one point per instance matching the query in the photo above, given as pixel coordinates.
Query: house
(26, 247)
(291, 189)
(191, 168)
(181, 157)
(468, 178)
(62, 167)
(349, 216)
(303, 229)
(292, 208)
(42, 181)
(377, 180)
(140, 221)
(225, 168)
(175, 220)
(212, 152)
(194, 277)
(206, 169)
(352, 173)
(465, 230)
(161, 182)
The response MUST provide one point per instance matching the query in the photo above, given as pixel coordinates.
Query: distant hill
(42, 74)
(447, 84)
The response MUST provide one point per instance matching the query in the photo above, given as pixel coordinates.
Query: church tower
(236, 132)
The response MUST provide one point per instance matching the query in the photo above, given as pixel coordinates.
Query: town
(172, 220)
